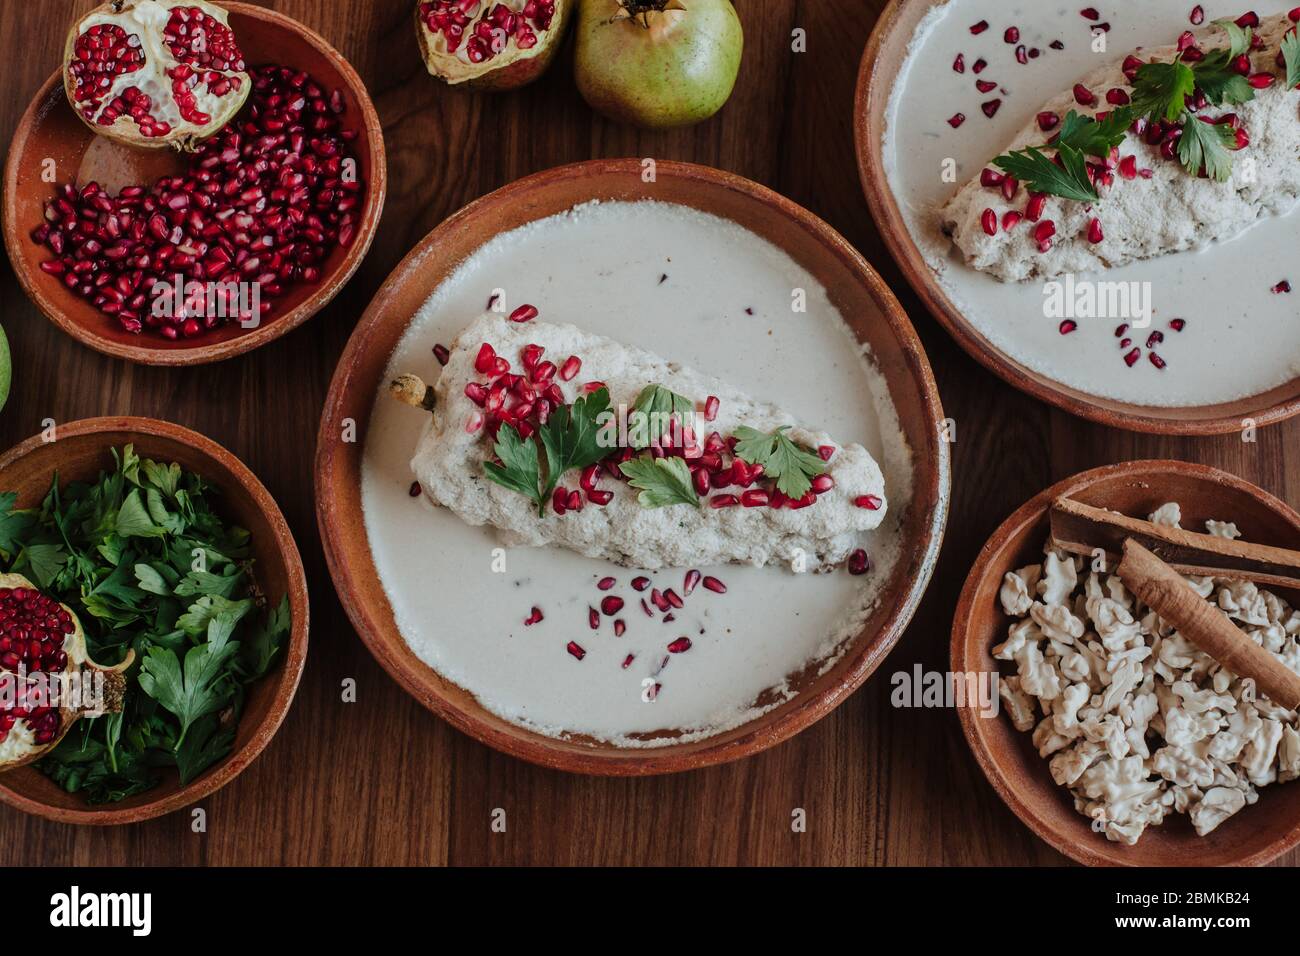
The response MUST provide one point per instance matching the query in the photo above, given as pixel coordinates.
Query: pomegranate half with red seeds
(155, 73)
(490, 44)
(39, 636)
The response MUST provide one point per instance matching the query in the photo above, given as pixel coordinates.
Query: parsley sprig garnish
(791, 466)
(651, 412)
(570, 439)
(145, 562)
(1161, 92)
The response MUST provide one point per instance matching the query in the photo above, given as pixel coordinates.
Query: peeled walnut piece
(47, 680)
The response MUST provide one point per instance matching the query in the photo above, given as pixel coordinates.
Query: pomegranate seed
(824, 452)
(980, 64)
(701, 482)
(1248, 20)
(414, 490)
(956, 119)
(534, 618)
(714, 585)
(1261, 81)
(1095, 234)
(1282, 287)
(985, 86)
(859, 563)
(485, 360)
(572, 365)
(627, 661)
(711, 408)
(674, 599)
(1186, 41)
(1084, 96)
(822, 484)
(1009, 187)
(959, 64)
(723, 501)
(1156, 360)
(1131, 358)
(991, 179)
(1010, 219)
(688, 583)
(1131, 66)
(473, 423)
(754, 498)
(591, 387)
(1012, 35)
(560, 501)
(979, 28)
(1128, 167)
(611, 605)
(658, 600)
(1155, 338)
(1117, 97)
(525, 313)
(991, 108)
(870, 502)
(1198, 15)
(600, 497)
(605, 584)
(1037, 203)
(575, 501)
(1068, 326)
(1043, 234)
(441, 353)
(590, 476)
(1090, 13)
(1048, 121)
(680, 646)
(1022, 55)
(1294, 15)
(575, 649)
(989, 220)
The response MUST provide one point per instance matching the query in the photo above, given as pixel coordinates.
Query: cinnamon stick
(1163, 589)
(1082, 529)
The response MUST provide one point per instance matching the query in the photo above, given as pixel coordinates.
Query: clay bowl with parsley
(175, 564)
(864, 301)
(994, 75)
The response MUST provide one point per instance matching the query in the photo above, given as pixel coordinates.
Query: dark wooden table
(382, 781)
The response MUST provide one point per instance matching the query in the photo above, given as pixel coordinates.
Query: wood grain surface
(381, 781)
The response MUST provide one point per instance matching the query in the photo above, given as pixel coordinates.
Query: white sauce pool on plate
(1240, 340)
(599, 266)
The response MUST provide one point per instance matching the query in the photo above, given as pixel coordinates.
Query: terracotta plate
(854, 288)
(881, 65)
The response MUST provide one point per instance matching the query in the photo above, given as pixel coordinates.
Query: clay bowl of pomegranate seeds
(1098, 308)
(82, 452)
(552, 657)
(272, 215)
(1256, 833)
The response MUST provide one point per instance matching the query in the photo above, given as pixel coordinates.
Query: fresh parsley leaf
(13, 524)
(519, 470)
(150, 580)
(1161, 90)
(205, 744)
(1039, 174)
(201, 686)
(262, 647)
(1092, 137)
(45, 562)
(202, 612)
(206, 582)
(1205, 145)
(1291, 57)
(651, 411)
(661, 481)
(133, 520)
(1239, 38)
(791, 466)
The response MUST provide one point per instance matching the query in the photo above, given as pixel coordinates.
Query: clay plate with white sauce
(704, 273)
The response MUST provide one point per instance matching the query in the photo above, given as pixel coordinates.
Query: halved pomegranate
(155, 73)
(490, 44)
(39, 639)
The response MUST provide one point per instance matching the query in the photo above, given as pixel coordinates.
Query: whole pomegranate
(155, 73)
(39, 638)
(658, 63)
(490, 44)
